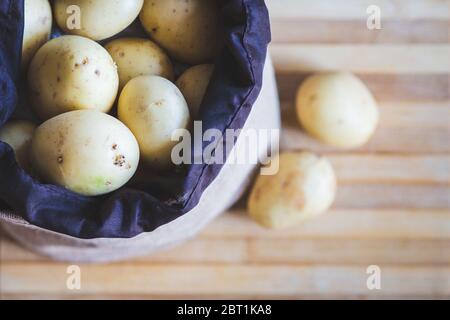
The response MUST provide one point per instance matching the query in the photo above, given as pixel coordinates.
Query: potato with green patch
(337, 109)
(193, 84)
(96, 19)
(188, 29)
(18, 134)
(72, 73)
(138, 57)
(86, 151)
(303, 187)
(153, 108)
(37, 28)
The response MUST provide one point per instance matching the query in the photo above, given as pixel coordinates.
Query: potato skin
(137, 57)
(153, 107)
(18, 134)
(338, 109)
(304, 187)
(188, 30)
(37, 28)
(193, 84)
(72, 73)
(100, 19)
(86, 151)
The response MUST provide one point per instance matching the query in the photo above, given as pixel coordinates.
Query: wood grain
(260, 250)
(362, 58)
(244, 280)
(356, 9)
(431, 224)
(393, 202)
(412, 140)
(394, 169)
(292, 31)
(386, 88)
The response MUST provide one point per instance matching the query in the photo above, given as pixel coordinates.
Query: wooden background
(392, 207)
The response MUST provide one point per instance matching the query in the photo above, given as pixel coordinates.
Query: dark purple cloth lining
(128, 212)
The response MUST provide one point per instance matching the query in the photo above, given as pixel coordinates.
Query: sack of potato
(90, 95)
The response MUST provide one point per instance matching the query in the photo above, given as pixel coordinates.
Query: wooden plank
(396, 88)
(376, 168)
(337, 224)
(281, 251)
(239, 280)
(403, 128)
(355, 31)
(356, 9)
(360, 251)
(378, 59)
(197, 250)
(416, 127)
(342, 223)
(203, 251)
(389, 196)
(388, 140)
(214, 296)
(428, 115)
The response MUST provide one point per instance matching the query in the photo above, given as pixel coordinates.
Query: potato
(337, 109)
(153, 107)
(193, 84)
(304, 187)
(18, 135)
(72, 73)
(86, 151)
(137, 57)
(188, 30)
(37, 28)
(99, 19)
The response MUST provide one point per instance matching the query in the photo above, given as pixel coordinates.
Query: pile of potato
(74, 83)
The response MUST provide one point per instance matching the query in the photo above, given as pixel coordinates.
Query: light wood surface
(393, 203)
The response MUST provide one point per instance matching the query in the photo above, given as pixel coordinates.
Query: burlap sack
(228, 186)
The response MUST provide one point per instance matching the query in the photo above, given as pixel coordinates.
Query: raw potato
(37, 28)
(304, 187)
(99, 19)
(193, 84)
(188, 30)
(153, 107)
(338, 109)
(137, 57)
(18, 135)
(72, 73)
(85, 151)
